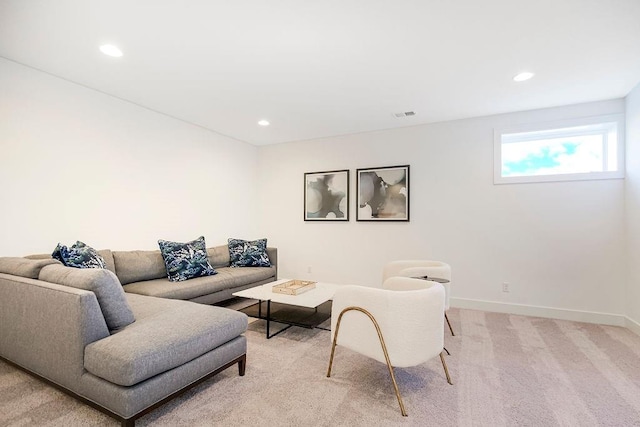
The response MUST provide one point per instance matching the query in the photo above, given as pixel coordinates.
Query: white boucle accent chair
(400, 325)
(422, 268)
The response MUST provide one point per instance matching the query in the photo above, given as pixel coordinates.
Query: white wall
(76, 164)
(558, 245)
(633, 207)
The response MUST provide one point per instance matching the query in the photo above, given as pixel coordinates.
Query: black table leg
(268, 316)
(269, 336)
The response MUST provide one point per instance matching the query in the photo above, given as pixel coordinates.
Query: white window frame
(550, 129)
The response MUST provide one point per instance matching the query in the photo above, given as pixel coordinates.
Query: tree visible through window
(590, 151)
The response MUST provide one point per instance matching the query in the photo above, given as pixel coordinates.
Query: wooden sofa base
(130, 422)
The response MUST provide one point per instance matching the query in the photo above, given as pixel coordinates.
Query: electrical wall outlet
(309, 270)
(505, 287)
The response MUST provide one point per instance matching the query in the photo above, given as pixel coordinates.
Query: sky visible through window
(576, 154)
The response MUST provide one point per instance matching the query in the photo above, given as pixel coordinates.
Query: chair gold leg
(384, 350)
(449, 323)
(446, 371)
(333, 347)
(395, 387)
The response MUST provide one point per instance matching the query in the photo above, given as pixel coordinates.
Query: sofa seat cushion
(102, 282)
(166, 334)
(189, 289)
(227, 278)
(246, 275)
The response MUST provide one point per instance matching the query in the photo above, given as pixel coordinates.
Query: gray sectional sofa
(123, 339)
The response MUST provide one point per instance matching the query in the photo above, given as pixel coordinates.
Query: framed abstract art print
(326, 196)
(383, 194)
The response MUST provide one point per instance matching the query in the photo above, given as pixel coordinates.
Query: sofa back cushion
(103, 283)
(137, 266)
(24, 267)
(219, 256)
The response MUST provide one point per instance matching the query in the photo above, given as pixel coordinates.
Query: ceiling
(324, 68)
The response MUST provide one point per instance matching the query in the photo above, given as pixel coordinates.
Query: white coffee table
(322, 293)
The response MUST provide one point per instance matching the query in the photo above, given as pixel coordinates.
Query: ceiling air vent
(404, 114)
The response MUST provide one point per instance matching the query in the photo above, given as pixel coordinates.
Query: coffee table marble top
(322, 293)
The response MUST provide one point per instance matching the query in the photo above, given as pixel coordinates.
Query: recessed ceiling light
(264, 123)
(523, 76)
(111, 50)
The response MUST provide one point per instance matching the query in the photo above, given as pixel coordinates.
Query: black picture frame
(326, 196)
(383, 194)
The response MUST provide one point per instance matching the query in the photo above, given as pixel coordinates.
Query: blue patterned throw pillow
(185, 260)
(244, 253)
(79, 255)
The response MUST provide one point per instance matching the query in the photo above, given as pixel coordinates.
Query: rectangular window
(580, 149)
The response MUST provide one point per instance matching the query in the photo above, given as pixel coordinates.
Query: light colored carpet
(507, 370)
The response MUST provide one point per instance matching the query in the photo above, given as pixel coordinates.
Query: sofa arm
(45, 327)
(273, 258)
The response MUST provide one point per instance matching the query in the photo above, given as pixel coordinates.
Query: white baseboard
(547, 312)
(632, 325)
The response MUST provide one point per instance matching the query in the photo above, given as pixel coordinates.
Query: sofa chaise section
(59, 333)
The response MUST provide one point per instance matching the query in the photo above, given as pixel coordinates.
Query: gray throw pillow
(102, 282)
